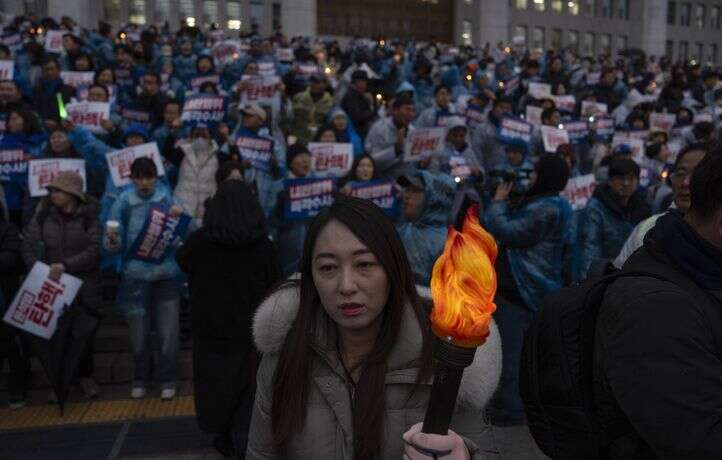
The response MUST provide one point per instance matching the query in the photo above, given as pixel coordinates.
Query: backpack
(556, 381)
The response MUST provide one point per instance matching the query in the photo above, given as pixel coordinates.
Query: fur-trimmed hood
(275, 316)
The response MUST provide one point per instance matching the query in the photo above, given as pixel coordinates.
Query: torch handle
(442, 399)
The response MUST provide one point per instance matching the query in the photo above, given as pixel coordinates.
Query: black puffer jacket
(658, 356)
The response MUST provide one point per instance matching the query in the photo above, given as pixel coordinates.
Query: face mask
(200, 143)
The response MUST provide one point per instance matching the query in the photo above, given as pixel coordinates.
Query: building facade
(678, 29)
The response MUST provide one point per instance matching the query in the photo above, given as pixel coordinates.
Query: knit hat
(69, 182)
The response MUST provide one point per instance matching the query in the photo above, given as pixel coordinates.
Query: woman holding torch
(347, 351)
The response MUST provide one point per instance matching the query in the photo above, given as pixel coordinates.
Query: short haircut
(546, 113)
(142, 168)
(154, 75)
(402, 100)
(440, 87)
(623, 167)
(705, 186)
(103, 87)
(49, 60)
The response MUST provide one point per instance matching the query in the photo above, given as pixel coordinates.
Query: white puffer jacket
(196, 178)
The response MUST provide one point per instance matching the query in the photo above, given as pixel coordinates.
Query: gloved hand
(422, 446)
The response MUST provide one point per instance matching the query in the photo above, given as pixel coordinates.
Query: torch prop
(463, 286)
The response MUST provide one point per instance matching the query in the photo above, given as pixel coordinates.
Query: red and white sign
(77, 79)
(593, 78)
(540, 90)
(421, 143)
(579, 190)
(285, 54)
(89, 115)
(7, 70)
(226, 52)
(260, 90)
(331, 159)
(533, 114)
(119, 161)
(662, 121)
(553, 138)
(566, 103)
(54, 41)
(42, 172)
(636, 145)
(590, 108)
(40, 301)
(266, 69)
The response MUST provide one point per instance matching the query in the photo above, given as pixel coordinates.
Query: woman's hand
(502, 191)
(422, 446)
(175, 211)
(56, 271)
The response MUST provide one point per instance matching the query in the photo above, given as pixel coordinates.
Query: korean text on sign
(306, 197)
(257, 150)
(423, 142)
(331, 159)
(159, 234)
(119, 161)
(42, 172)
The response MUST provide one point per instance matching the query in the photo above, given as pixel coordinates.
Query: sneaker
(137, 392)
(89, 387)
(167, 394)
(17, 404)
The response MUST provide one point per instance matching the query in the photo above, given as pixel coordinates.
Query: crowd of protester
(369, 93)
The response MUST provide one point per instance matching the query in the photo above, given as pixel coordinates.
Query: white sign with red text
(553, 138)
(331, 159)
(579, 190)
(77, 79)
(635, 145)
(54, 41)
(533, 114)
(662, 121)
(7, 70)
(119, 161)
(590, 109)
(421, 143)
(89, 115)
(260, 90)
(540, 90)
(40, 301)
(42, 172)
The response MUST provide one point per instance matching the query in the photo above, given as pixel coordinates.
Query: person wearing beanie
(532, 239)
(615, 208)
(66, 227)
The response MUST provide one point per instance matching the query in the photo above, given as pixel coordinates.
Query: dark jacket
(45, 99)
(227, 283)
(9, 262)
(359, 110)
(73, 241)
(658, 360)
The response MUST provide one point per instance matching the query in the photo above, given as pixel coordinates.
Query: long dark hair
(377, 232)
(234, 217)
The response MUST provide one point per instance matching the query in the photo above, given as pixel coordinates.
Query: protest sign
(510, 85)
(579, 190)
(197, 82)
(533, 114)
(635, 145)
(603, 127)
(331, 159)
(42, 172)
(266, 69)
(662, 121)
(565, 103)
(137, 116)
(593, 78)
(285, 54)
(204, 108)
(590, 109)
(119, 161)
(578, 131)
(159, 235)
(553, 138)
(40, 301)
(260, 90)
(89, 115)
(540, 90)
(512, 130)
(226, 52)
(14, 165)
(306, 70)
(383, 193)
(421, 143)
(459, 166)
(257, 150)
(306, 197)
(703, 117)
(642, 134)
(7, 70)
(54, 41)
(13, 41)
(77, 79)
(474, 116)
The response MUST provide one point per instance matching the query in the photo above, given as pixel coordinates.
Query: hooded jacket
(196, 177)
(424, 237)
(328, 431)
(307, 112)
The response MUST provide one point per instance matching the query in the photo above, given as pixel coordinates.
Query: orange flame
(463, 284)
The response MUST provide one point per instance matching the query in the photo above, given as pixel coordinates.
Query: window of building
(714, 17)
(699, 55)
(713, 53)
(588, 44)
(588, 7)
(573, 7)
(112, 10)
(520, 4)
(556, 39)
(210, 11)
(233, 12)
(136, 12)
(539, 5)
(684, 14)
(683, 51)
(671, 13)
(557, 6)
(669, 49)
(623, 9)
(520, 31)
(276, 14)
(161, 11)
(607, 8)
(186, 10)
(466, 37)
(255, 11)
(573, 40)
(621, 43)
(700, 11)
(605, 44)
(537, 40)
